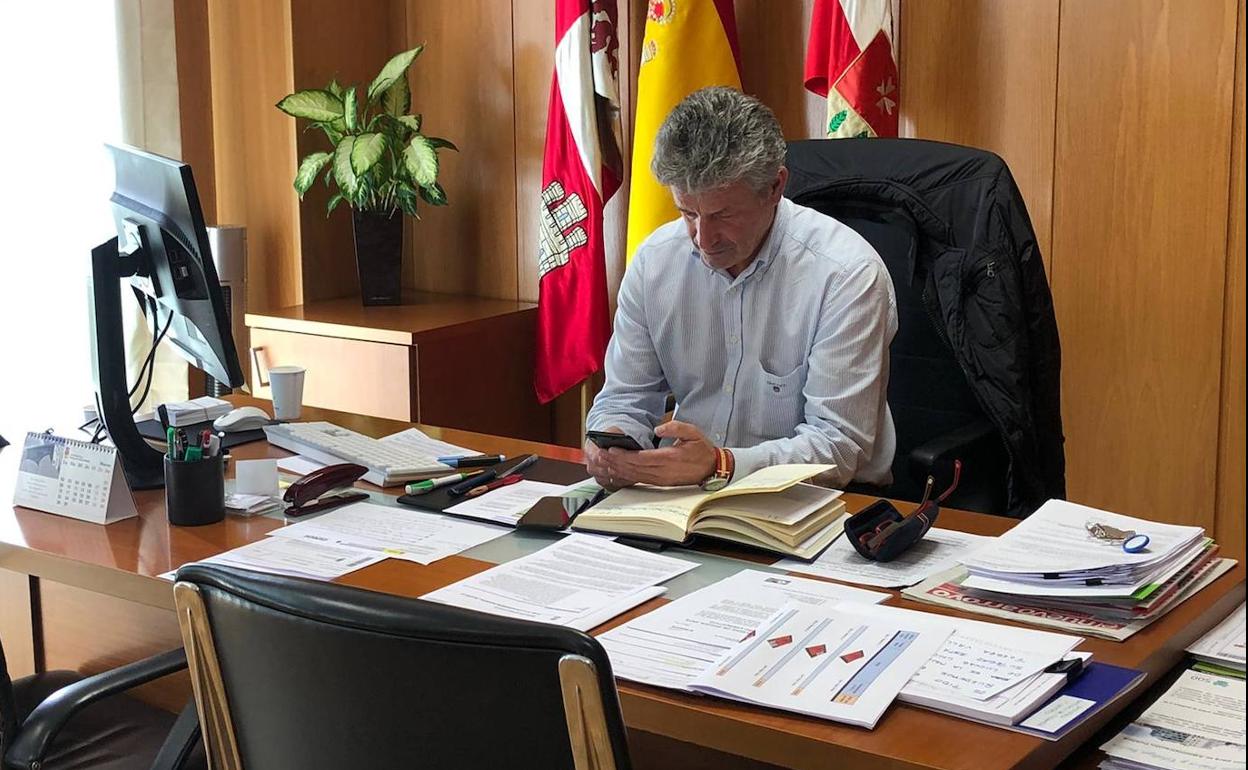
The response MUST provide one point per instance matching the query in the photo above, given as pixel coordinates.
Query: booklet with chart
(769, 509)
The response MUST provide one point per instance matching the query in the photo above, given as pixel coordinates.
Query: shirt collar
(766, 254)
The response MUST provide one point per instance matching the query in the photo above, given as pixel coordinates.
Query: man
(768, 321)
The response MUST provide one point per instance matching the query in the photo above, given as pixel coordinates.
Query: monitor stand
(144, 466)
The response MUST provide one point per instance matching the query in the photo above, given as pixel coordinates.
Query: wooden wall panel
(1139, 246)
(1230, 505)
(254, 144)
(984, 73)
(469, 248)
(349, 42)
(190, 19)
(773, 39)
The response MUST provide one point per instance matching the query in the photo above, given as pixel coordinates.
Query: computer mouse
(242, 418)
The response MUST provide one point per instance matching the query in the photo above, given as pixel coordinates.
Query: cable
(150, 364)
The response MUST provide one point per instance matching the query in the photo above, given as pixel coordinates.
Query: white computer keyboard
(389, 463)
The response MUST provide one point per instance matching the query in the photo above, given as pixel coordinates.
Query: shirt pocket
(780, 405)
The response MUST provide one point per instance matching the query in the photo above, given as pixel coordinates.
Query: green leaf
(438, 142)
(366, 151)
(350, 115)
(421, 161)
(433, 194)
(334, 88)
(308, 169)
(344, 175)
(394, 69)
(397, 99)
(333, 203)
(311, 105)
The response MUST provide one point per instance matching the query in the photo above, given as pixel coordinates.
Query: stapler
(323, 489)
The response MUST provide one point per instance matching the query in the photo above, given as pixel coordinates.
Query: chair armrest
(958, 444)
(182, 739)
(39, 730)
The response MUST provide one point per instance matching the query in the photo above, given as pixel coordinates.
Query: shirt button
(733, 339)
(727, 388)
(719, 437)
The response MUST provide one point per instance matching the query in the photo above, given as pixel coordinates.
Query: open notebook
(769, 509)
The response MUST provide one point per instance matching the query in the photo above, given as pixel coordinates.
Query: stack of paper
(1049, 569)
(1198, 723)
(581, 581)
(1221, 651)
(197, 410)
(251, 505)
(991, 673)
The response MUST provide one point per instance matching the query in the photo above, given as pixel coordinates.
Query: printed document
(1055, 539)
(418, 442)
(675, 643)
(845, 662)
(1201, 704)
(301, 558)
(389, 531)
(1141, 746)
(1223, 645)
(506, 505)
(579, 582)
(939, 550)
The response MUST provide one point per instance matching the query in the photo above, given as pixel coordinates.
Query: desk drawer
(371, 378)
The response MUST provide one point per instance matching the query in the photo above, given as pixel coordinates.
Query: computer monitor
(161, 250)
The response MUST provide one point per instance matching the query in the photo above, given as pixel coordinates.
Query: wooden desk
(94, 602)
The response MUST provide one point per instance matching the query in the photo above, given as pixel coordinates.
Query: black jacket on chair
(978, 270)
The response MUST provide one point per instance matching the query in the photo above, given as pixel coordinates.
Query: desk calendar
(73, 478)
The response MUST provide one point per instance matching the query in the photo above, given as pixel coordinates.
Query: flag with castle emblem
(581, 170)
(688, 44)
(850, 60)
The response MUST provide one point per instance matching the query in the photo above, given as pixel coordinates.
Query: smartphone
(604, 440)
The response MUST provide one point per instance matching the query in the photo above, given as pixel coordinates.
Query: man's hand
(687, 461)
(597, 461)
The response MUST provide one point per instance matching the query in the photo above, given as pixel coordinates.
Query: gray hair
(717, 136)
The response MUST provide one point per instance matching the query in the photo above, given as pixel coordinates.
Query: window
(62, 103)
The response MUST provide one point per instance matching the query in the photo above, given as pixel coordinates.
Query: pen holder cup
(195, 491)
(880, 533)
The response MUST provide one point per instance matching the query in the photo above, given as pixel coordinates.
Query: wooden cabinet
(458, 362)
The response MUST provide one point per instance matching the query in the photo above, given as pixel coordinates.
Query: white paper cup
(286, 383)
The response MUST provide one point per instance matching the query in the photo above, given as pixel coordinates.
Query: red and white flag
(851, 60)
(581, 170)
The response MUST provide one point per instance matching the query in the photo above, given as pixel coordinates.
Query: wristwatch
(724, 466)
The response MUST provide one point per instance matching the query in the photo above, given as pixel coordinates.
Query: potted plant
(380, 162)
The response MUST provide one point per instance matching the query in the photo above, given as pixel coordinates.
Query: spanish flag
(689, 44)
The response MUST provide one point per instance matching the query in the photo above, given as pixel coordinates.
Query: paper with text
(939, 550)
(675, 643)
(567, 583)
(395, 532)
(300, 558)
(845, 662)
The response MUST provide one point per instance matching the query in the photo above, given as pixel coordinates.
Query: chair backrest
(927, 391)
(295, 673)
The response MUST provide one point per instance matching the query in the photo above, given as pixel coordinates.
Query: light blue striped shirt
(786, 363)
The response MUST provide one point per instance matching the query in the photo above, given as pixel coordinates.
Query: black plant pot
(379, 256)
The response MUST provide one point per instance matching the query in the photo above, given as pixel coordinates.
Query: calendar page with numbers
(72, 478)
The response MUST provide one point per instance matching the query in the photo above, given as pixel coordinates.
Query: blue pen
(471, 461)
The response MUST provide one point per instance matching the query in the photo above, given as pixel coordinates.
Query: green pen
(428, 485)
(194, 453)
(171, 441)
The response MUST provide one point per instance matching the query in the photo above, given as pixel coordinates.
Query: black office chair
(932, 210)
(294, 673)
(60, 720)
